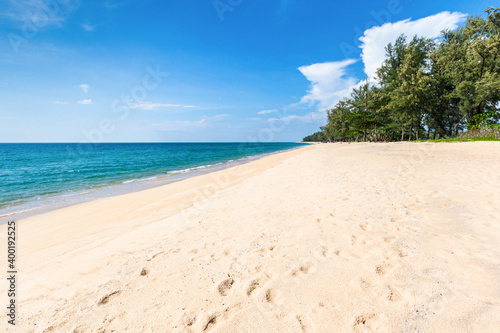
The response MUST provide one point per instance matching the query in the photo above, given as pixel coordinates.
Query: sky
(195, 70)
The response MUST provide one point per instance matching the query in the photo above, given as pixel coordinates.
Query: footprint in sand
(301, 323)
(388, 239)
(321, 252)
(365, 283)
(394, 295)
(154, 256)
(51, 328)
(382, 269)
(224, 286)
(105, 299)
(401, 250)
(345, 255)
(304, 269)
(188, 319)
(253, 285)
(191, 321)
(371, 322)
(212, 320)
(220, 316)
(270, 295)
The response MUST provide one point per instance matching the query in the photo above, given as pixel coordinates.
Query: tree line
(426, 88)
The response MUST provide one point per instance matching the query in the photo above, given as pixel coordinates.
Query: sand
(399, 237)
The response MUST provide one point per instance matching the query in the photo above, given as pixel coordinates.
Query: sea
(37, 177)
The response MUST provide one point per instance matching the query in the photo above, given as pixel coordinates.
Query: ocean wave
(65, 195)
(92, 178)
(20, 211)
(138, 180)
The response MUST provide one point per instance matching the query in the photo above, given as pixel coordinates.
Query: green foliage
(316, 137)
(484, 138)
(426, 89)
(484, 120)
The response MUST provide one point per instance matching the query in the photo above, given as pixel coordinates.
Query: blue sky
(194, 70)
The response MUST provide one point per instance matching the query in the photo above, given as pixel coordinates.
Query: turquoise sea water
(36, 175)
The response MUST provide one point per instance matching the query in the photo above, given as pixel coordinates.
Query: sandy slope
(328, 238)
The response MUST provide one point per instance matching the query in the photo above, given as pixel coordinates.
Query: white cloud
(60, 103)
(329, 82)
(38, 12)
(282, 11)
(267, 111)
(312, 117)
(182, 125)
(111, 4)
(85, 101)
(155, 106)
(88, 27)
(376, 39)
(85, 87)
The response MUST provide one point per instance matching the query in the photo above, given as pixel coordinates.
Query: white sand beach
(396, 237)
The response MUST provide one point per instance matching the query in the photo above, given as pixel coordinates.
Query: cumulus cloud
(85, 101)
(155, 106)
(85, 87)
(267, 111)
(329, 82)
(376, 39)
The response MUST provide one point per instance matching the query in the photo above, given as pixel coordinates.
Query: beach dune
(397, 237)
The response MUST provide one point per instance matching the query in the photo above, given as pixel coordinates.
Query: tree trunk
(428, 133)
(402, 133)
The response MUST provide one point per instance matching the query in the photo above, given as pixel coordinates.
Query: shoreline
(78, 196)
(361, 237)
